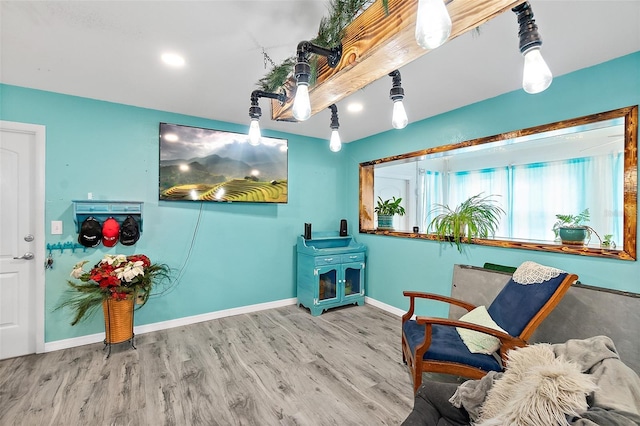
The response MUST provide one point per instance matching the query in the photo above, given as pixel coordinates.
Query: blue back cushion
(517, 304)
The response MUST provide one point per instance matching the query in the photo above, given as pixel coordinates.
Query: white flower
(77, 269)
(130, 271)
(114, 259)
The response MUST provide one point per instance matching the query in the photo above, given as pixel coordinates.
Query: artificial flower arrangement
(118, 277)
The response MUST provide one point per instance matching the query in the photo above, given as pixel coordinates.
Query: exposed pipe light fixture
(433, 24)
(255, 112)
(302, 71)
(536, 76)
(335, 144)
(399, 118)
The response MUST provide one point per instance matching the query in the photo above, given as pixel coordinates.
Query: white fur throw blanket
(537, 389)
(580, 382)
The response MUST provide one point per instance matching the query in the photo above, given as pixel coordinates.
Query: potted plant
(386, 209)
(608, 241)
(571, 229)
(477, 216)
(116, 283)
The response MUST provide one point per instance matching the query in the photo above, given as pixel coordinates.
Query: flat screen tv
(198, 164)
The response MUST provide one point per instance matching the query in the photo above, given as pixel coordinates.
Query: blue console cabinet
(330, 271)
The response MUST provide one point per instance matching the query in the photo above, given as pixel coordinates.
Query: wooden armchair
(434, 345)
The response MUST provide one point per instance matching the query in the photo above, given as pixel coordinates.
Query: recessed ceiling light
(172, 59)
(354, 107)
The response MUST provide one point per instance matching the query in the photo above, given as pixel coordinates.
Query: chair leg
(417, 375)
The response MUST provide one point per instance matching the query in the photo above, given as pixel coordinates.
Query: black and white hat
(129, 231)
(90, 232)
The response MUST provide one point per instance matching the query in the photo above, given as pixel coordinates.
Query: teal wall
(396, 264)
(242, 254)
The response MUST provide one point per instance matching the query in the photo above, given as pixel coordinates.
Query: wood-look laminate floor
(275, 367)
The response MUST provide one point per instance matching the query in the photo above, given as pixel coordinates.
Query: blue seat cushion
(446, 345)
(515, 306)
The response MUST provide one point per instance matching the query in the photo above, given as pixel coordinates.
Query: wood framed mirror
(564, 167)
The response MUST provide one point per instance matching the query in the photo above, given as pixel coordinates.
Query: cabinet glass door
(327, 284)
(352, 279)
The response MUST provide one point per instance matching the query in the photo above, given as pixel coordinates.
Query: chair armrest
(507, 341)
(413, 295)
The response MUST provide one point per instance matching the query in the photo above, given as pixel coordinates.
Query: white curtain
(532, 194)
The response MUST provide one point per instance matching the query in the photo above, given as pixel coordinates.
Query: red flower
(118, 296)
(140, 257)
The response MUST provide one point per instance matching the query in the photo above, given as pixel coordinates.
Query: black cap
(129, 231)
(90, 232)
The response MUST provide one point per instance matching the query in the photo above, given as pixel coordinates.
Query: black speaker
(343, 228)
(307, 231)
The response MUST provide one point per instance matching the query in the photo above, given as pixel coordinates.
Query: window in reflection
(570, 187)
(563, 173)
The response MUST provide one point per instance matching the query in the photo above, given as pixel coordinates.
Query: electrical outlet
(56, 227)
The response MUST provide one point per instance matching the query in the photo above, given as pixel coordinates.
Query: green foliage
(478, 216)
(277, 76)
(575, 221)
(571, 221)
(330, 34)
(83, 299)
(389, 207)
(608, 241)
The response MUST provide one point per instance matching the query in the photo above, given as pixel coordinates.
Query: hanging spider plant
(477, 216)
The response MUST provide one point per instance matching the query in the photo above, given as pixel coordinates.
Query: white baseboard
(73, 342)
(391, 309)
(163, 325)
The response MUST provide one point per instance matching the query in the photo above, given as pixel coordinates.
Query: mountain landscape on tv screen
(235, 172)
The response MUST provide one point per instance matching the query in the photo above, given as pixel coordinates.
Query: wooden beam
(376, 44)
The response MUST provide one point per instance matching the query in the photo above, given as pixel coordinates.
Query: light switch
(56, 227)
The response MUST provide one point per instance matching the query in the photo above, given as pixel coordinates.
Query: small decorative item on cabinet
(330, 271)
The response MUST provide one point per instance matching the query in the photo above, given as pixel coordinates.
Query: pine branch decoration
(277, 76)
(330, 34)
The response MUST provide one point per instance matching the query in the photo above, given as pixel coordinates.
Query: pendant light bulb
(254, 132)
(302, 104)
(335, 144)
(537, 75)
(433, 24)
(399, 119)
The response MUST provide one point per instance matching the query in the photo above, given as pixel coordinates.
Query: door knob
(26, 256)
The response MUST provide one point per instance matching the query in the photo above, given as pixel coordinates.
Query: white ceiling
(110, 50)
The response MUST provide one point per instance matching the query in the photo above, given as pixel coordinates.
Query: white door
(21, 239)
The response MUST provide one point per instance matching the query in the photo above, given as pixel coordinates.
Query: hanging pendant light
(433, 24)
(335, 144)
(302, 71)
(536, 76)
(399, 118)
(255, 112)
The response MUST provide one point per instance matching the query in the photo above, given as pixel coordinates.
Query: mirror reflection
(535, 174)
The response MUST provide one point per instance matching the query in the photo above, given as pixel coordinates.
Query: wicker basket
(118, 320)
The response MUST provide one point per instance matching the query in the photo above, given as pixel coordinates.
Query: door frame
(39, 151)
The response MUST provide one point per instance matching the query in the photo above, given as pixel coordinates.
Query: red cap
(110, 232)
